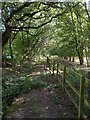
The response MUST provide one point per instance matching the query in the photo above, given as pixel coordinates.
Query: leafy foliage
(20, 86)
(13, 87)
(44, 29)
(34, 30)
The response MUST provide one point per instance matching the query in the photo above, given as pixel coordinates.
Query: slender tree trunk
(69, 58)
(86, 58)
(11, 52)
(81, 35)
(73, 59)
(65, 57)
(81, 59)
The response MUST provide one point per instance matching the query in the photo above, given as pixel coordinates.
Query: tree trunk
(69, 58)
(11, 52)
(86, 58)
(65, 57)
(5, 36)
(81, 54)
(81, 59)
(73, 59)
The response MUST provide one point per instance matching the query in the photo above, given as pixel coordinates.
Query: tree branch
(35, 27)
(26, 4)
(27, 14)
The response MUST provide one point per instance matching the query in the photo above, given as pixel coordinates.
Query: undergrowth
(13, 87)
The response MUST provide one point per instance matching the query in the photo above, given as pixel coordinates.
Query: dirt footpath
(43, 104)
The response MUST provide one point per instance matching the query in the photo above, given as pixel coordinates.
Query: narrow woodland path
(47, 102)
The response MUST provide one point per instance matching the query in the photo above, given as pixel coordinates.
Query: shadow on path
(43, 102)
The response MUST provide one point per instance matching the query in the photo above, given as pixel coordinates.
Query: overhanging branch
(26, 4)
(35, 27)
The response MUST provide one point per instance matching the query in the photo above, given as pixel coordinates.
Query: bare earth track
(44, 102)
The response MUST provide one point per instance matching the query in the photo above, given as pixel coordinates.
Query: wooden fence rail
(80, 93)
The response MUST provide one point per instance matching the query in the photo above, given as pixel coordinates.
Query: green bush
(14, 87)
(23, 85)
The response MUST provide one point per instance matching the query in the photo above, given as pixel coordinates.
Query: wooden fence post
(64, 78)
(81, 98)
(57, 70)
(53, 67)
(48, 63)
